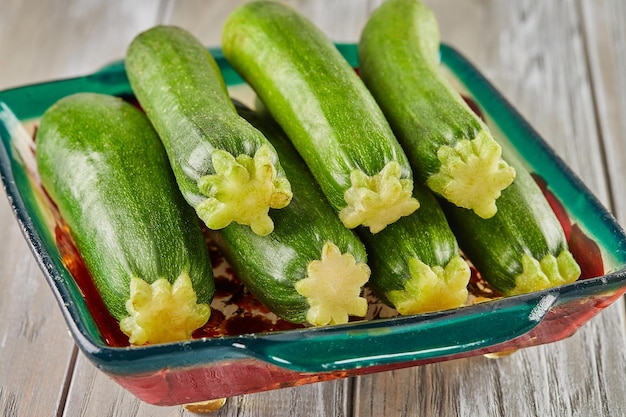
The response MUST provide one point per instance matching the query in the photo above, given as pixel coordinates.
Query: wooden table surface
(562, 63)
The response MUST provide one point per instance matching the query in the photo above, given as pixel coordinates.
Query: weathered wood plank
(325, 399)
(605, 41)
(35, 348)
(533, 52)
(41, 41)
(605, 37)
(341, 21)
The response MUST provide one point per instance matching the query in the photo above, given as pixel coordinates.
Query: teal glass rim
(312, 350)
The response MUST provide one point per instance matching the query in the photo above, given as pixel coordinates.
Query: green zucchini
(325, 110)
(522, 248)
(416, 263)
(103, 165)
(225, 168)
(450, 148)
(311, 269)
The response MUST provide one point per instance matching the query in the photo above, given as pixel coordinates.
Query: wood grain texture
(340, 20)
(605, 37)
(326, 399)
(66, 38)
(561, 63)
(32, 374)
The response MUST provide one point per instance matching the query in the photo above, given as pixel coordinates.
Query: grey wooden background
(563, 65)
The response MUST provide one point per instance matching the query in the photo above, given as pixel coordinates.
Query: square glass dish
(256, 351)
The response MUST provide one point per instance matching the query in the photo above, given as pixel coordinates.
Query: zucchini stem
(379, 200)
(243, 189)
(432, 288)
(472, 174)
(550, 272)
(162, 312)
(333, 287)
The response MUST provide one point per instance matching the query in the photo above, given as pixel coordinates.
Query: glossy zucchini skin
(524, 226)
(315, 96)
(181, 89)
(450, 148)
(270, 266)
(103, 165)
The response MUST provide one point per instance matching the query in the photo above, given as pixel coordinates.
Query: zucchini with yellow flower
(325, 110)
(450, 148)
(104, 166)
(311, 269)
(225, 168)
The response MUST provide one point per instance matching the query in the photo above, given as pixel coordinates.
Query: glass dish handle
(438, 335)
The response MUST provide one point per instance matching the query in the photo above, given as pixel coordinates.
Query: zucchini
(103, 165)
(522, 248)
(225, 168)
(450, 148)
(416, 263)
(325, 110)
(311, 269)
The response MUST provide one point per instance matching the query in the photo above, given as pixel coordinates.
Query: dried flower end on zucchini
(472, 174)
(432, 288)
(550, 271)
(333, 287)
(379, 200)
(449, 147)
(243, 189)
(163, 312)
(214, 153)
(326, 111)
